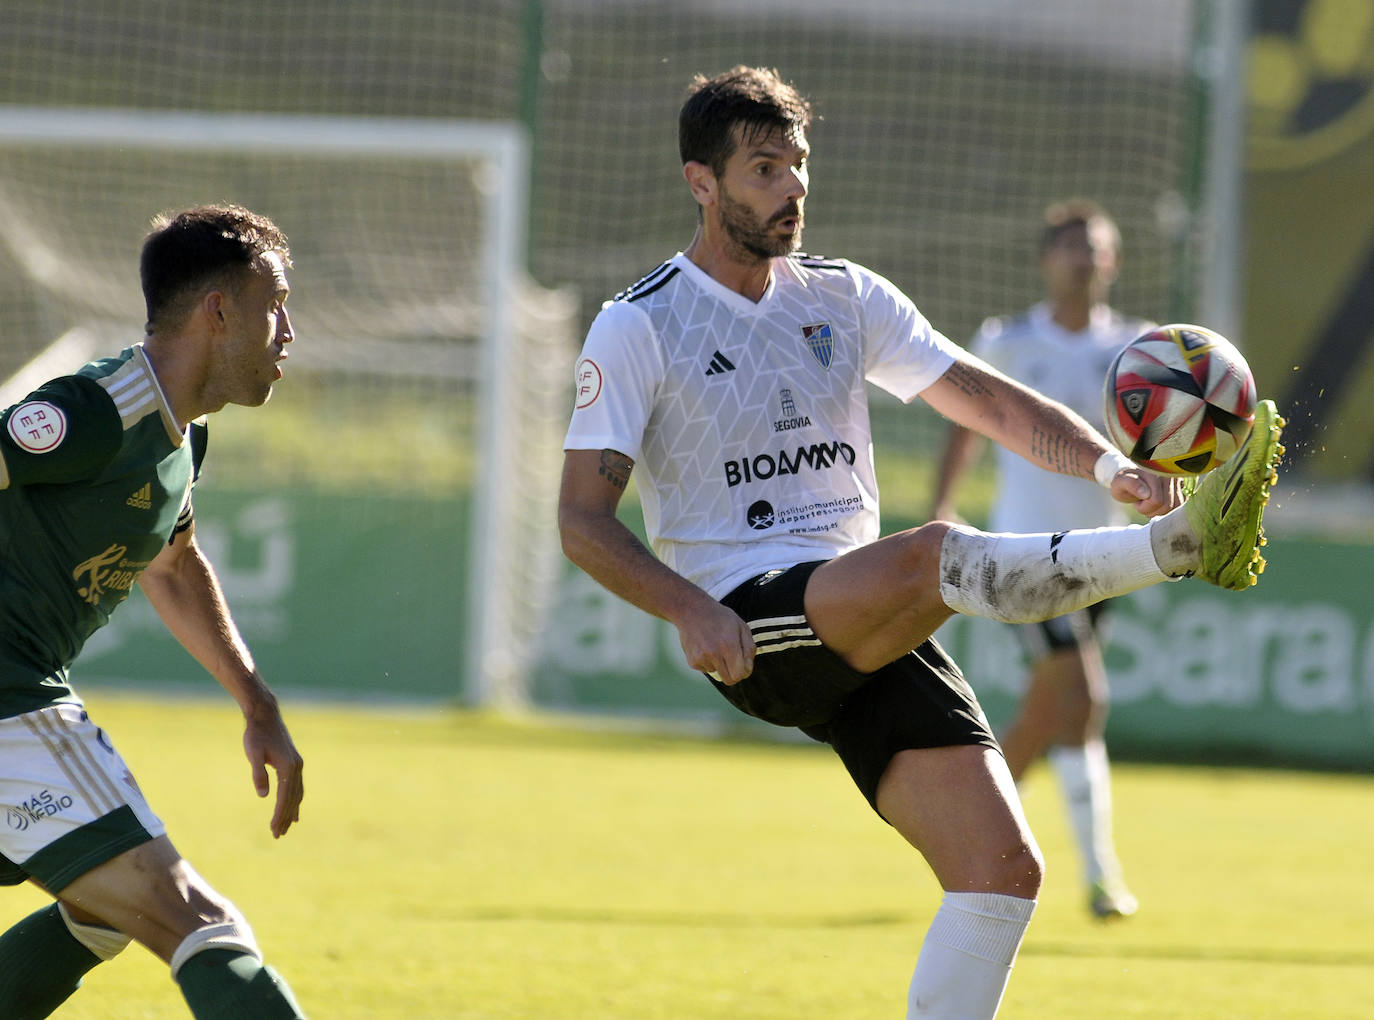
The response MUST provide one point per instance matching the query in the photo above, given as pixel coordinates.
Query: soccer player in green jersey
(96, 474)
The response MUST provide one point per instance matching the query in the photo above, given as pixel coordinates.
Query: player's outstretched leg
(1226, 511)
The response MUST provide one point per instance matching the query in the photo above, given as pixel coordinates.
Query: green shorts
(69, 801)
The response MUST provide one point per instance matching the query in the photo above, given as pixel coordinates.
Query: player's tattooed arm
(978, 397)
(615, 468)
(968, 380)
(1059, 453)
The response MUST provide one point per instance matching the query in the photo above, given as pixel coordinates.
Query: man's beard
(747, 235)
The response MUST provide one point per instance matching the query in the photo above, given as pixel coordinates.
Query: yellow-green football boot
(1226, 510)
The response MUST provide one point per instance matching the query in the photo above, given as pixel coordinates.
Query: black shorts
(1072, 630)
(919, 700)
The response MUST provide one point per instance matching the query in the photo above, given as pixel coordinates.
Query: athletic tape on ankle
(1108, 465)
(105, 943)
(236, 937)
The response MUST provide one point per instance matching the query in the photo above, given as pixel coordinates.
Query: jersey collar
(176, 432)
(734, 299)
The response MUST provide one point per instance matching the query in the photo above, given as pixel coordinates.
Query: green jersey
(95, 479)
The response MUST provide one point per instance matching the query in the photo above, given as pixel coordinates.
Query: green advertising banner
(1282, 673)
(346, 595)
(362, 597)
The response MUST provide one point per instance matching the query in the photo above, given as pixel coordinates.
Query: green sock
(222, 984)
(41, 964)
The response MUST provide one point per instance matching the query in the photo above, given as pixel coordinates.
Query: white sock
(1085, 778)
(1028, 578)
(967, 955)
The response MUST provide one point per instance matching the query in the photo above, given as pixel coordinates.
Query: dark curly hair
(754, 98)
(186, 252)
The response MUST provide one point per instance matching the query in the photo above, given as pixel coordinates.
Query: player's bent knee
(1020, 872)
(105, 943)
(921, 546)
(234, 936)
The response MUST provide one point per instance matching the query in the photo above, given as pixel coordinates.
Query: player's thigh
(1065, 654)
(77, 825)
(958, 806)
(873, 603)
(150, 893)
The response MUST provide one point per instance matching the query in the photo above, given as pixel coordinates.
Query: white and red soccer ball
(1179, 400)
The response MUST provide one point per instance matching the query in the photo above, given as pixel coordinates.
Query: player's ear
(212, 307)
(701, 180)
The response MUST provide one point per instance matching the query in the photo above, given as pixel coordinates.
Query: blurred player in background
(1061, 347)
(96, 474)
(734, 376)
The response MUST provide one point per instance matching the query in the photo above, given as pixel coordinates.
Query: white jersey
(1068, 367)
(748, 422)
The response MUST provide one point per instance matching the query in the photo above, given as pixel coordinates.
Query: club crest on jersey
(37, 426)
(820, 342)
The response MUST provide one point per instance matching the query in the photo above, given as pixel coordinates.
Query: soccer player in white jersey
(1061, 346)
(733, 377)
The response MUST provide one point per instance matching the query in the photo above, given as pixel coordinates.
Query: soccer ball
(1179, 400)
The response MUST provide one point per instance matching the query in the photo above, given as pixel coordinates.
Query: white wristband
(1108, 465)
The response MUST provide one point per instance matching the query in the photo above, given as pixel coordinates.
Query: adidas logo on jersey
(142, 499)
(719, 364)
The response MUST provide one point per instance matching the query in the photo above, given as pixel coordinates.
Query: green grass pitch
(455, 866)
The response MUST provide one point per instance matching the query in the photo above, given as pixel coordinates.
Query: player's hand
(1151, 494)
(267, 742)
(717, 642)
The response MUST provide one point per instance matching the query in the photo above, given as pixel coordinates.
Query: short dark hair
(1072, 212)
(186, 252)
(755, 98)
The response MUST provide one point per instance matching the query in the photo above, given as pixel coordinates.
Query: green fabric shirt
(95, 479)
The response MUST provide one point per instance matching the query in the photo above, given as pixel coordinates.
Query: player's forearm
(191, 604)
(1052, 436)
(614, 557)
(1024, 421)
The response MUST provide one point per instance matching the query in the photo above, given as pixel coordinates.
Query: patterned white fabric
(748, 422)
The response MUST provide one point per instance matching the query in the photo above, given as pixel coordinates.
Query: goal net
(417, 432)
(428, 371)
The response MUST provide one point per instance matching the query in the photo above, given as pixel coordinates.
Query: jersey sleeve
(65, 431)
(616, 382)
(903, 353)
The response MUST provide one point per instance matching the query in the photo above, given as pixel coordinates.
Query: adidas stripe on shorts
(919, 700)
(69, 801)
